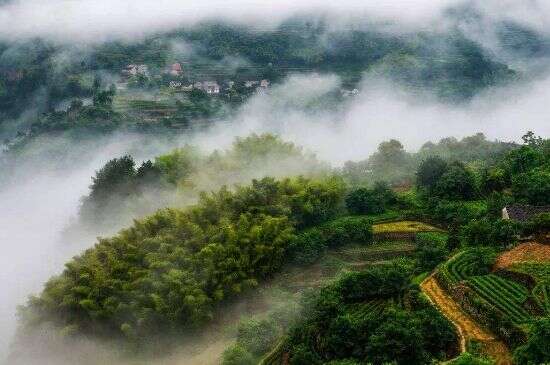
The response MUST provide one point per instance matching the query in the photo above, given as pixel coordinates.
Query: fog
(382, 111)
(40, 198)
(98, 20)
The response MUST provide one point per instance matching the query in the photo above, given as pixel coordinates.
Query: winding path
(467, 328)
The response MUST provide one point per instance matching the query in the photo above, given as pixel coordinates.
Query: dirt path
(466, 327)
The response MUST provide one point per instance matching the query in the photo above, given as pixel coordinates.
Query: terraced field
(370, 308)
(468, 330)
(379, 251)
(506, 295)
(404, 227)
(531, 259)
(461, 267)
(153, 108)
(541, 293)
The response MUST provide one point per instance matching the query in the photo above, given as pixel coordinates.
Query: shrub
(347, 230)
(430, 171)
(457, 183)
(237, 355)
(535, 351)
(483, 232)
(307, 247)
(468, 359)
(301, 355)
(257, 336)
(364, 201)
(532, 187)
(431, 250)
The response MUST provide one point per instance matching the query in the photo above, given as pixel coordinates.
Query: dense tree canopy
(168, 271)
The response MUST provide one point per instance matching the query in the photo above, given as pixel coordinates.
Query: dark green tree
(365, 201)
(536, 350)
(430, 171)
(457, 183)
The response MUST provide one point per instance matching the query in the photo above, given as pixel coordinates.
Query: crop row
(461, 267)
(372, 307)
(505, 295)
(541, 293)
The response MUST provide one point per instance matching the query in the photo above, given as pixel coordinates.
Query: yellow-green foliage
(168, 271)
(403, 226)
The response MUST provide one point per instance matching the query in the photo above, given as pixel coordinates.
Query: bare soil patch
(525, 252)
(467, 328)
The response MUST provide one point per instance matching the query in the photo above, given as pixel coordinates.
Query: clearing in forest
(467, 328)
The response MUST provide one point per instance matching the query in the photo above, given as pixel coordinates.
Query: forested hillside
(176, 270)
(49, 88)
(294, 182)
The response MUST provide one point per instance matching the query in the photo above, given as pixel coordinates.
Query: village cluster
(178, 83)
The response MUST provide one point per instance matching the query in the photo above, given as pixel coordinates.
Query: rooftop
(522, 213)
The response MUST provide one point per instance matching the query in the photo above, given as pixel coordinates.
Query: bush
(430, 171)
(237, 355)
(538, 224)
(301, 355)
(468, 359)
(351, 320)
(364, 201)
(535, 351)
(483, 232)
(532, 187)
(347, 230)
(370, 201)
(308, 247)
(257, 336)
(431, 250)
(385, 281)
(457, 183)
(456, 212)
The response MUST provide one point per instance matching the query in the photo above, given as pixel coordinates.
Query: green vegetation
(540, 272)
(168, 272)
(404, 226)
(370, 201)
(541, 293)
(176, 270)
(354, 319)
(119, 189)
(310, 245)
(506, 295)
(467, 264)
(469, 359)
(535, 351)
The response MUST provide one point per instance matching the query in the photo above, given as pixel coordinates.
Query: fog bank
(76, 21)
(44, 195)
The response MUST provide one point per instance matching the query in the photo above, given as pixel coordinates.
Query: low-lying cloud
(40, 202)
(382, 111)
(99, 20)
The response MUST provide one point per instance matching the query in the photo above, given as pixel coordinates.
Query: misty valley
(297, 183)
